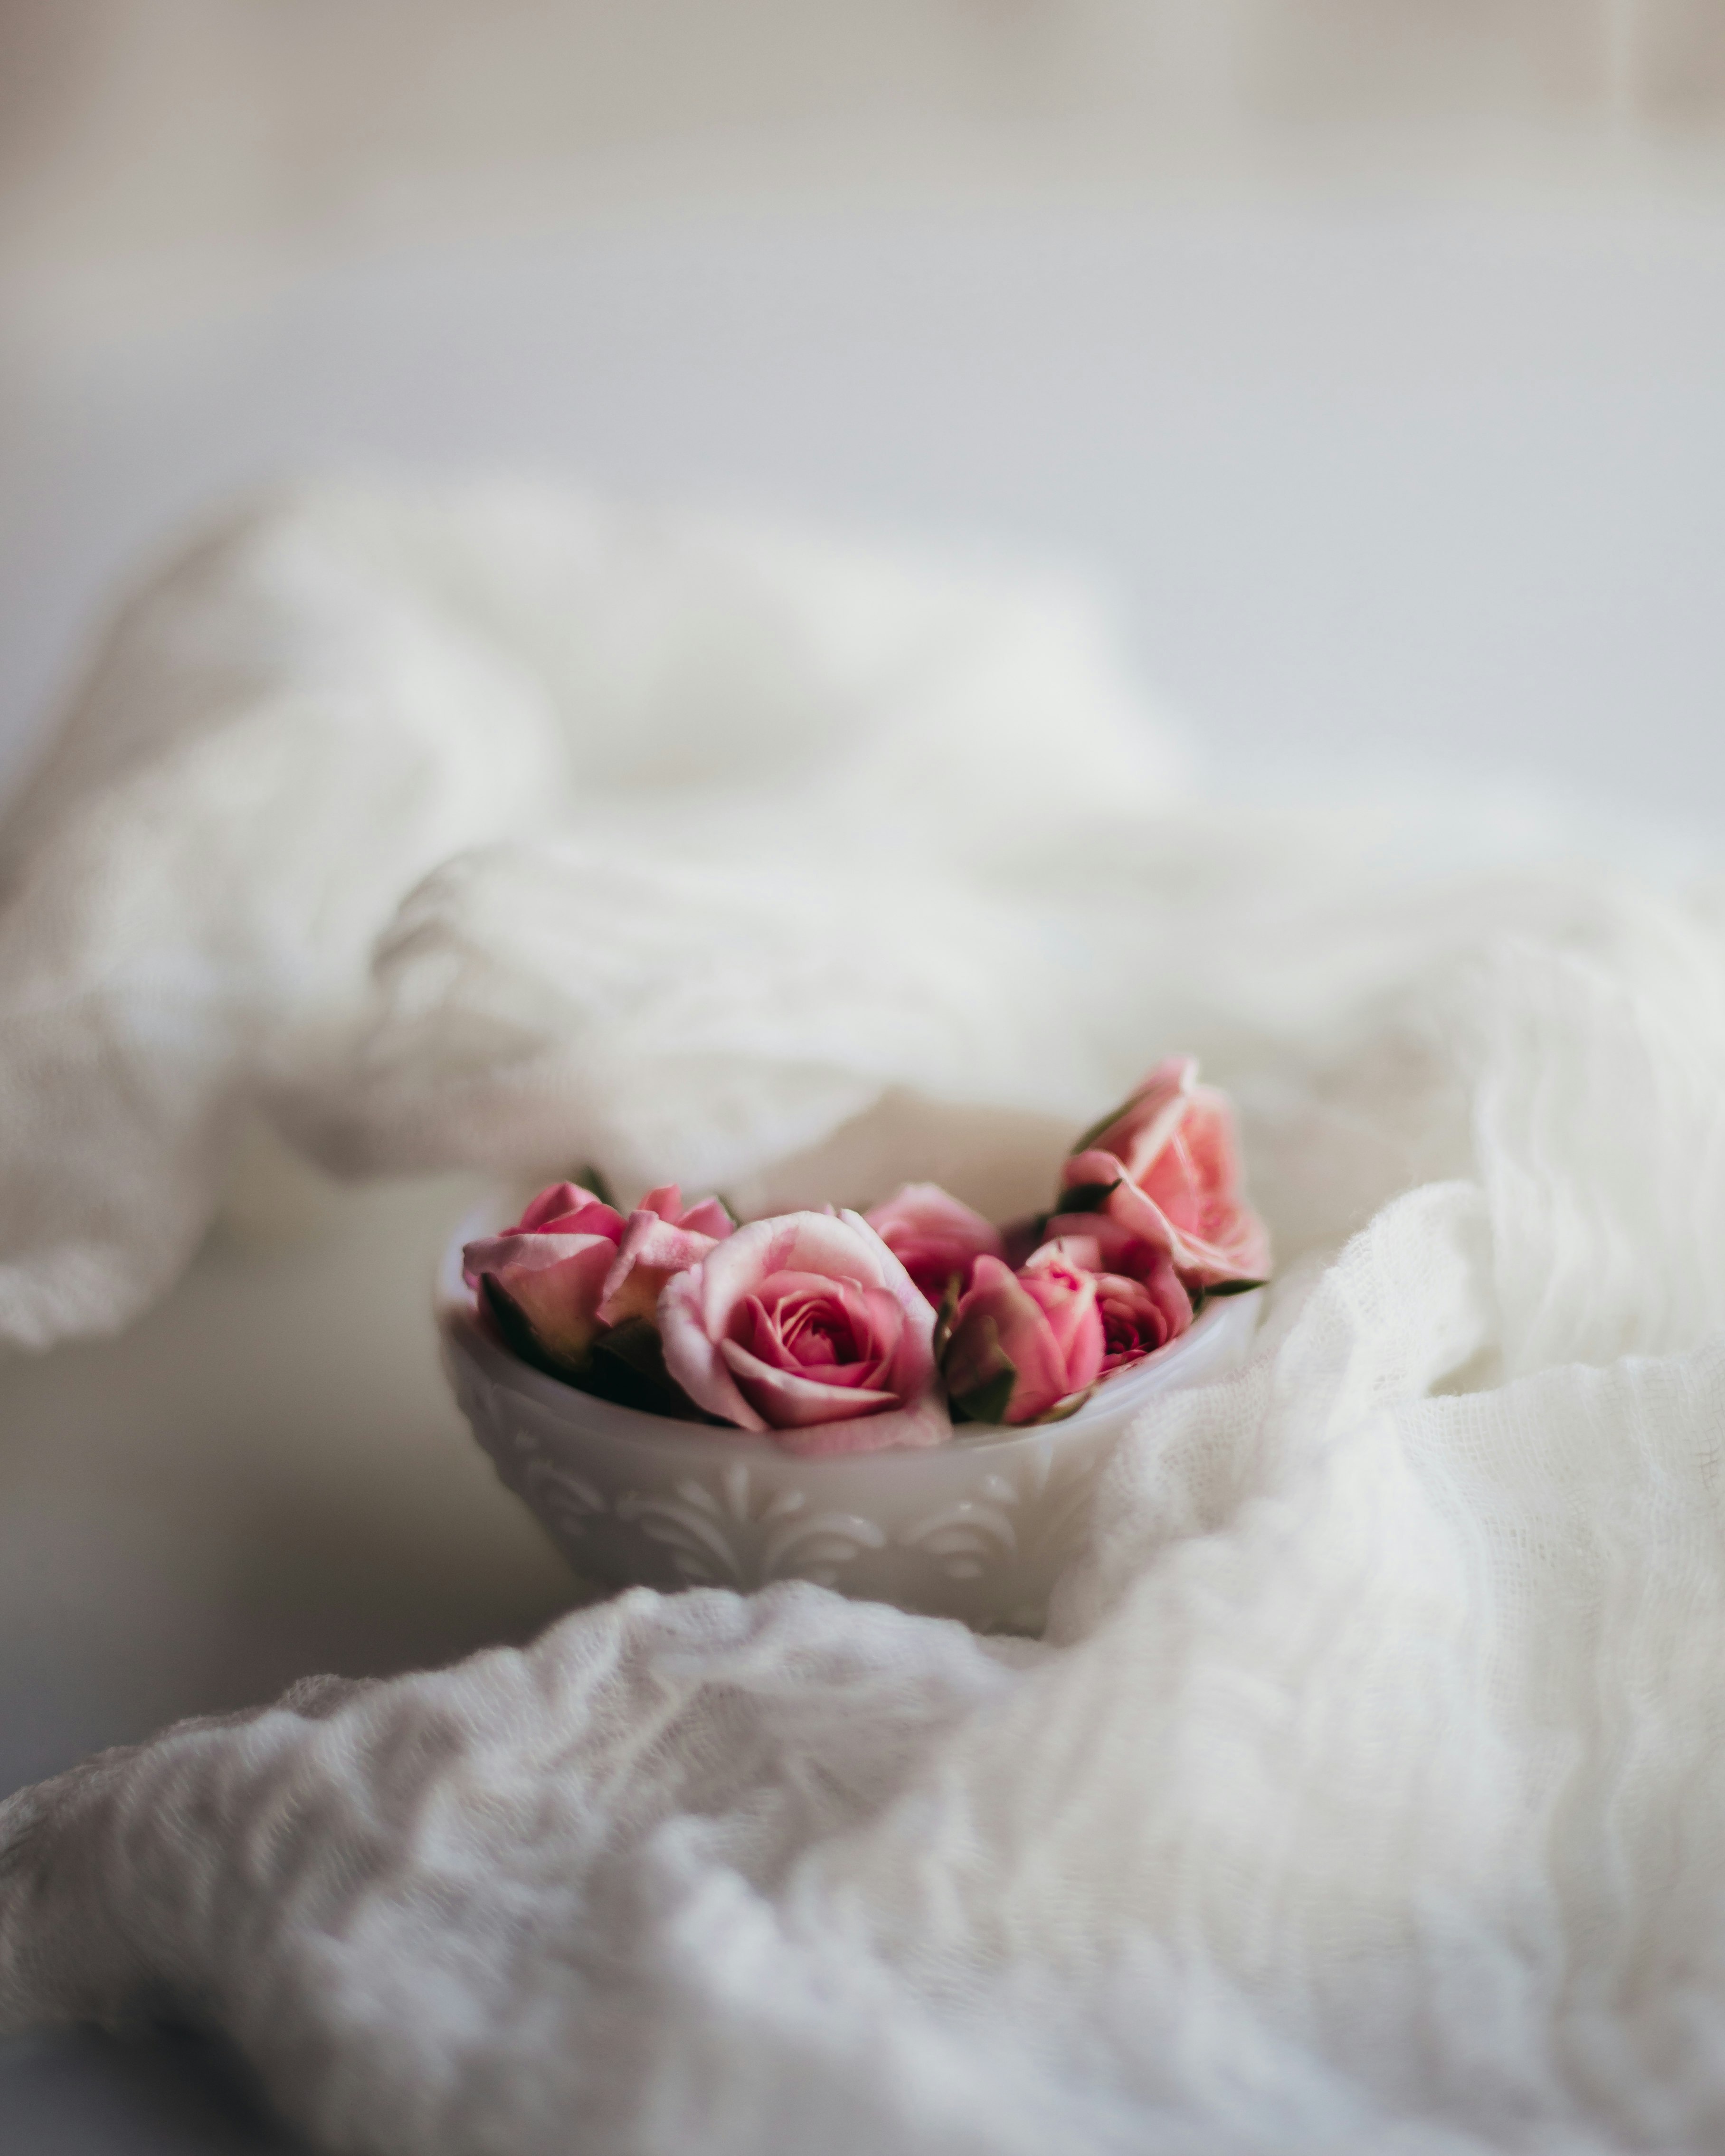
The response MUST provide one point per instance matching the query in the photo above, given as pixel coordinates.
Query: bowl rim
(459, 1320)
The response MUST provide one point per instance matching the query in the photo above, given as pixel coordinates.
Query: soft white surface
(1369, 1791)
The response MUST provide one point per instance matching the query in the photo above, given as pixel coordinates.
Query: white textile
(492, 826)
(1368, 1793)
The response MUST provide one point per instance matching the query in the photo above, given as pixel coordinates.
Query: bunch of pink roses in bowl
(838, 1332)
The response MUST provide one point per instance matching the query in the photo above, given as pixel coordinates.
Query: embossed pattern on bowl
(978, 1529)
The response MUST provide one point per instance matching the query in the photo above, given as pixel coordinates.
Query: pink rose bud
(1141, 1311)
(808, 1327)
(1024, 1345)
(935, 1238)
(1165, 1168)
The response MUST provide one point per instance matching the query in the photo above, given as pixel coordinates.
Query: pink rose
(1166, 1169)
(1024, 1345)
(934, 1238)
(807, 1326)
(572, 1267)
(1143, 1306)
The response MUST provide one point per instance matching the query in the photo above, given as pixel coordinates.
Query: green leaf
(1233, 1287)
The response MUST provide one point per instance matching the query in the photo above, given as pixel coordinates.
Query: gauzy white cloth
(492, 826)
(1368, 1792)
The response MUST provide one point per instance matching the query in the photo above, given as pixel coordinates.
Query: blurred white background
(1370, 350)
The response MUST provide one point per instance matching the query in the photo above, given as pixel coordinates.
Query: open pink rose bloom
(819, 1330)
(807, 1326)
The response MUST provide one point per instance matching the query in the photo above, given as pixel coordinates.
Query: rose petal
(811, 1323)
(1083, 1251)
(554, 1283)
(1067, 1298)
(566, 1209)
(597, 1219)
(528, 1253)
(788, 1400)
(1138, 1317)
(1173, 1154)
(708, 1218)
(1118, 1249)
(1140, 1130)
(935, 1237)
(653, 1248)
(907, 1430)
(1240, 1250)
(556, 1198)
(691, 1355)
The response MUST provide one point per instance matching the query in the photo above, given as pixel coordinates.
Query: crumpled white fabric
(1368, 1791)
(494, 825)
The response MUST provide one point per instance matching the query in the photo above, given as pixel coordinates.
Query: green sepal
(519, 1335)
(1060, 1410)
(988, 1401)
(594, 1178)
(1087, 1197)
(626, 1366)
(1233, 1287)
(943, 1318)
(1084, 1144)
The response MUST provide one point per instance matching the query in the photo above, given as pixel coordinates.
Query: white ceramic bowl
(978, 1529)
